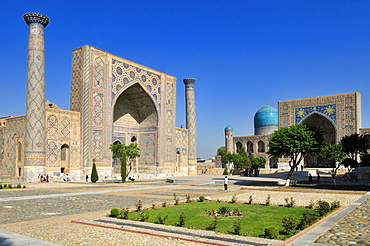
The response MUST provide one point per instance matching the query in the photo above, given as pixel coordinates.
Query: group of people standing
(43, 178)
(250, 172)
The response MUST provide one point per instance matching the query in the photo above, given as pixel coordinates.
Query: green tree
(233, 158)
(352, 145)
(258, 162)
(221, 151)
(127, 155)
(295, 143)
(335, 155)
(94, 173)
(246, 161)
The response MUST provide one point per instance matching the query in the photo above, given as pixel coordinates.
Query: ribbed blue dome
(229, 128)
(267, 115)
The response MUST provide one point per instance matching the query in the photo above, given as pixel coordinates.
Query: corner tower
(35, 108)
(191, 119)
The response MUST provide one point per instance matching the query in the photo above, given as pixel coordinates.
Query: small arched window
(261, 146)
(19, 150)
(239, 146)
(250, 147)
(63, 152)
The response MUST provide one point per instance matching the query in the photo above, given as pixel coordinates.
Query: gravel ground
(300, 198)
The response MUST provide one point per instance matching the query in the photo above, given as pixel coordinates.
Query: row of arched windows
(250, 147)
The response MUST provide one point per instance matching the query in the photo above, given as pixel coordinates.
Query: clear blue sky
(243, 54)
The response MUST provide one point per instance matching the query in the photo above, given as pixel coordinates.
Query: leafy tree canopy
(127, 154)
(246, 161)
(221, 151)
(295, 143)
(258, 162)
(335, 155)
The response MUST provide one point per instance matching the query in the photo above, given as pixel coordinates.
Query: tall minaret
(191, 120)
(229, 139)
(34, 162)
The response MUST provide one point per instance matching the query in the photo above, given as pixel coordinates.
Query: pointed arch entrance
(135, 120)
(329, 133)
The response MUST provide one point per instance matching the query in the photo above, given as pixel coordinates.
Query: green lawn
(254, 219)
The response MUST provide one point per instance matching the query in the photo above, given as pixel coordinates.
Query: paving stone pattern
(353, 229)
(49, 218)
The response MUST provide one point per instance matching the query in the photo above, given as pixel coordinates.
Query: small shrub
(139, 206)
(224, 210)
(182, 218)
(188, 199)
(250, 199)
(334, 205)
(160, 219)
(308, 218)
(24, 186)
(176, 199)
(19, 186)
(114, 212)
(213, 225)
(144, 216)
(164, 204)
(311, 204)
(153, 206)
(10, 186)
(289, 202)
(268, 200)
(1, 186)
(124, 213)
(271, 232)
(236, 227)
(226, 171)
(290, 225)
(233, 199)
(5, 185)
(322, 208)
(218, 201)
(201, 199)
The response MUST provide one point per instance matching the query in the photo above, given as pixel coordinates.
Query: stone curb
(148, 233)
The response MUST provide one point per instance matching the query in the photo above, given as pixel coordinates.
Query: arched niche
(135, 120)
(323, 123)
(329, 133)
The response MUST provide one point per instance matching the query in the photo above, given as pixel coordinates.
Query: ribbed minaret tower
(34, 162)
(191, 120)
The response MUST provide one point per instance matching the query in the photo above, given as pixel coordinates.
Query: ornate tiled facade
(111, 99)
(337, 115)
(143, 102)
(342, 112)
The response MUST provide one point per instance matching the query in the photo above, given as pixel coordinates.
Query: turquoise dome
(229, 128)
(267, 115)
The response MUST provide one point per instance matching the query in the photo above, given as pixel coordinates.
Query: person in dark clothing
(310, 180)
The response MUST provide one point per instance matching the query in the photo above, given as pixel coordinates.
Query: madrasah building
(337, 115)
(112, 100)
